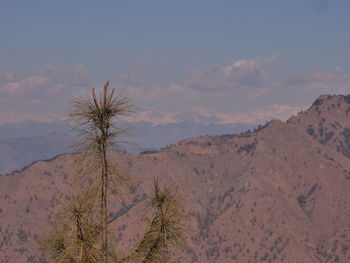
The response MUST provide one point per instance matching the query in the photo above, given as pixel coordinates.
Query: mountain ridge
(22, 151)
(277, 194)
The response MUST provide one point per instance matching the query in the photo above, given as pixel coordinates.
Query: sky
(224, 60)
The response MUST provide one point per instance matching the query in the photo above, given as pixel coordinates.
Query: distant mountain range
(23, 143)
(16, 153)
(278, 194)
(31, 129)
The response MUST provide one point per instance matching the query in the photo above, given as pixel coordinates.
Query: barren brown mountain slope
(280, 194)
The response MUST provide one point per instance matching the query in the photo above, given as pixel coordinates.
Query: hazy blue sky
(205, 56)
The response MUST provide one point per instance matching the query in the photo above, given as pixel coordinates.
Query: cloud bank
(47, 82)
(243, 91)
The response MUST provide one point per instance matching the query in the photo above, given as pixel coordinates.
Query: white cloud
(211, 82)
(239, 75)
(47, 81)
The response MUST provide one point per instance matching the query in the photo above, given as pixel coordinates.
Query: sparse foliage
(80, 234)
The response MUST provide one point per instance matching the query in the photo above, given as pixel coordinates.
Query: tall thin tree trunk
(104, 187)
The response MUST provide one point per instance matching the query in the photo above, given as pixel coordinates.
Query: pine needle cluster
(166, 229)
(75, 236)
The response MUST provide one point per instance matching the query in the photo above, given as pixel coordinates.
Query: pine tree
(81, 235)
(97, 132)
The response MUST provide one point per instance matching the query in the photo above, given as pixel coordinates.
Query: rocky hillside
(280, 194)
